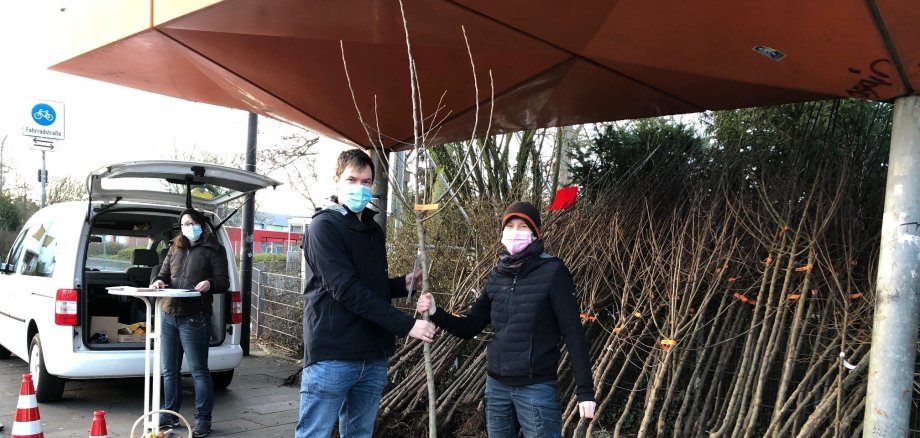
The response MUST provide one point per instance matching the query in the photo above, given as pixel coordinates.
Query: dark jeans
(189, 335)
(536, 408)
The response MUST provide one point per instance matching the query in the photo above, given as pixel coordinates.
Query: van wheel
(4, 353)
(48, 387)
(222, 379)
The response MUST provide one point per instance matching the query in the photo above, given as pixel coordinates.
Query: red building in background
(265, 241)
(272, 233)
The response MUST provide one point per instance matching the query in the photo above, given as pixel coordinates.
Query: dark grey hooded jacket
(347, 312)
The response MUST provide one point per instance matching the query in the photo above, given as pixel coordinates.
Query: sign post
(43, 145)
(45, 123)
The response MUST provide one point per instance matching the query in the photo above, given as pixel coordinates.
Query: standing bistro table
(149, 297)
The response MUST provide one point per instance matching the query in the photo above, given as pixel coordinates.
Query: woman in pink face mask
(517, 236)
(529, 299)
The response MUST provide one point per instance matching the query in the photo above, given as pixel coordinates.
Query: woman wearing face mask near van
(196, 261)
(529, 298)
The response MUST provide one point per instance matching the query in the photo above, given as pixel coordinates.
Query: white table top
(151, 292)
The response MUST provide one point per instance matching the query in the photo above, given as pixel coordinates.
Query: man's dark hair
(355, 158)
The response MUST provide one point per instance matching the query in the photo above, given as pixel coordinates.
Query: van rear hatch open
(173, 182)
(141, 232)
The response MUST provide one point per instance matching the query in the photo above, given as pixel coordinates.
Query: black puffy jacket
(530, 313)
(347, 312)
(183, 268)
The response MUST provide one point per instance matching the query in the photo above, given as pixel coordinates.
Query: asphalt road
(256, 404)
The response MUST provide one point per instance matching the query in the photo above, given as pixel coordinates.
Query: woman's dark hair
(181, 241)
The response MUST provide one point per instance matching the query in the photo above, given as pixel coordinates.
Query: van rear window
(112, 253)
(203, 191)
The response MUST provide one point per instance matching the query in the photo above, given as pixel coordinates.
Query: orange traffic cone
(28, 423)
(98, 427)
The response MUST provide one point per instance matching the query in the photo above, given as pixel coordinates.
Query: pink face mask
(516, 240)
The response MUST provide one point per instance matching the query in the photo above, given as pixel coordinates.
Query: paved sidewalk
(254, 405)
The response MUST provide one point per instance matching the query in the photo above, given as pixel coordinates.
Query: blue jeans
(536, 408)
(347, 389)
(191, 335)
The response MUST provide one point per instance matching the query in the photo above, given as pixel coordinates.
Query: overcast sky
(107, 123)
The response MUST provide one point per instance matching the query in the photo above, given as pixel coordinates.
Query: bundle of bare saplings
(729, 295)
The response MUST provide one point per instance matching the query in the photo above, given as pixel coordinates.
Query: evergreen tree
(10, 218)
(620, 153)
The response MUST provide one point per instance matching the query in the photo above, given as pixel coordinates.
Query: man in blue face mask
(348, 321)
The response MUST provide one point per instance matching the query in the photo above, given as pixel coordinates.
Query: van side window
(15, 250)
(39, 247)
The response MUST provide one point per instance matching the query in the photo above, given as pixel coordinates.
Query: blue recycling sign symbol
(43, 114)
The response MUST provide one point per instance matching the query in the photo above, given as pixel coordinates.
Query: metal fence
(277, 305)
(277, 309)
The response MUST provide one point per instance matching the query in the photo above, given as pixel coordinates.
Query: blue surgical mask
(192, 233)
(356, 197)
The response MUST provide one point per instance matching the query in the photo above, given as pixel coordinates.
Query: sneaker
(168, 421)
(201, 429)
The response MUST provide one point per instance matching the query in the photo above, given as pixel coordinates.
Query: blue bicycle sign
(46, 119)
(43, 114)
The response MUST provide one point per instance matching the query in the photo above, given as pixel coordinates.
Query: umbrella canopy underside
(550, 63)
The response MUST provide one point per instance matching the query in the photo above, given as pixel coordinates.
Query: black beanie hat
(195, 214)
(525, 211)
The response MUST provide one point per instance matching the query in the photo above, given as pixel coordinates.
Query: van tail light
(65, 307)
(236, 308)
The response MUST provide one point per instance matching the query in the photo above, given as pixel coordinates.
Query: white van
(55, 310)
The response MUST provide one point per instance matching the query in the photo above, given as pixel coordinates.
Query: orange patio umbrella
(553, 63)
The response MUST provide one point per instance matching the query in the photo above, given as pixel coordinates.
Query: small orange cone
(28, 423)
(98, 428)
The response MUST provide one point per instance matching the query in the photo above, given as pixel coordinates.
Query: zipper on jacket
(530, 356)
(188, 252)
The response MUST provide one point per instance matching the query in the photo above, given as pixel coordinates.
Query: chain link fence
(277, 310)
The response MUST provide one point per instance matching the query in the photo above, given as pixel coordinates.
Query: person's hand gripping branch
(423, 330)
(426, 304)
